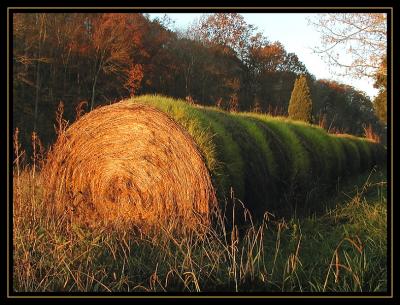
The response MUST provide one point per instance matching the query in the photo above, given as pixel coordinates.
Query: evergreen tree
(300, 105)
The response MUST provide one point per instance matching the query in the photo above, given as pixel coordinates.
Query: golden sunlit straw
(128, 164)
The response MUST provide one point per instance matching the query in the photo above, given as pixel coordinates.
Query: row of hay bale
(167, 163)
(267, 159)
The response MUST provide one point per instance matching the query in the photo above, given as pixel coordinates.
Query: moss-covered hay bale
(269, 161)
(153, 159)
(129, 163)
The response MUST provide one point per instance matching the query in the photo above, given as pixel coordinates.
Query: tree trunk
(93, 92)
(37, 75)
(65, 63)
(94, 83)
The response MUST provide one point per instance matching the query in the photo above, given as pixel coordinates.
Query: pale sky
(297, 36)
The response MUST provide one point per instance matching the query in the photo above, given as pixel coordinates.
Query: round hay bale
(128, 163)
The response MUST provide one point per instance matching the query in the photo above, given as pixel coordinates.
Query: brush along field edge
(152, 159)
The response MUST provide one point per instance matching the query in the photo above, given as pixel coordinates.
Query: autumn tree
(135, 76)
(228, 30)
(72, 57)
(111, 39)
(272, 74)
(300, 104)
(343, 108)
(158, 59)
(269, 57)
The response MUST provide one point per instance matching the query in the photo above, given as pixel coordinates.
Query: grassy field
(342, 248)
(329, 235)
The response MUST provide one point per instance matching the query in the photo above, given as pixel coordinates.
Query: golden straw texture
(128, 163)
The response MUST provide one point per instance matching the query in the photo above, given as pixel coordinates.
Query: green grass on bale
(262, 142)
(230, 155)
(266, 160)
(353, 164)
(257, 184)
(365, 153)
(326, 156)
(300, 161)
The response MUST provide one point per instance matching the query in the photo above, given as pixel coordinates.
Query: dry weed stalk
(17, 151)
(38, 153)
(80, 109)
(61, 123)
(370, 134)
(338, 265)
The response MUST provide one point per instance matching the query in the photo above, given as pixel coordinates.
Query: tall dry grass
(343, 249)
(370, 134)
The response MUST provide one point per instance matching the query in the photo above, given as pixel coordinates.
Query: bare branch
(363, 36)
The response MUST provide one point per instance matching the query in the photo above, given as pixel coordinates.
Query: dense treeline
(90, 59)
